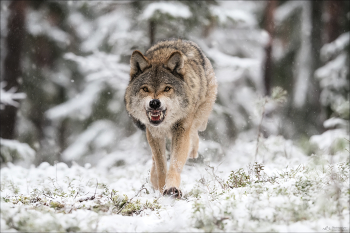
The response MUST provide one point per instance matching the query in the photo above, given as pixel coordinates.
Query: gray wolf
(171, 93)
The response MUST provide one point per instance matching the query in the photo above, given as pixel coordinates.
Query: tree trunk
(335, 12)
(316, 45)
(152, 32)
(269, 27)
(316, 36)
(12, 64)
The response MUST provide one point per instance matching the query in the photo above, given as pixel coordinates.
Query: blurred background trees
(71, 60)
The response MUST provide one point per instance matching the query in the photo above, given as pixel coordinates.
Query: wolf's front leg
(179, 154)
(159, 166)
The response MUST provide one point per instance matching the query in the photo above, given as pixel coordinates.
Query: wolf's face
(157, 95)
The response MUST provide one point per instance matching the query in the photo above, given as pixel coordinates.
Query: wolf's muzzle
(155, 113)
(154, 104)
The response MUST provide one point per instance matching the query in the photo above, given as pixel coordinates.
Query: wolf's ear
(176, 62)
(138, 63)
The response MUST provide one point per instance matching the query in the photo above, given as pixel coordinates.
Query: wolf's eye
(145, 89)
(167, 89)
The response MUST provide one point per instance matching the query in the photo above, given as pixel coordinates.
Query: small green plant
(278, 96)
(303, 186)
(131, 208)
(238, 179)
(208, 221)
(24, 199)
(56, 205)
(338, 144)
(120, 201)
(14, 188)
(258, 167)
(195, 192)
(152, 205)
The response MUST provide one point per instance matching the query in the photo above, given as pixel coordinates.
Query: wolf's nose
(155, 103)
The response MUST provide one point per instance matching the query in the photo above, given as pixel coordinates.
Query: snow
(113, 23)
(80, 146)
(329, 138)
(79, 107)
(8, 97)
(333, 79)
(174, 9)
(333, 74)
(84, 29)
(102, 67)
(23, 151)
(102, 70)
(335, 122)
(38, 25)
(291, 196)
(336, 46)
(223, 60)
(225, 64)
(13, 149)
(285, 10)
(241, 17)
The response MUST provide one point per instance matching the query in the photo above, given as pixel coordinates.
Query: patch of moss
(137, 207)
(24, 199)
(131, 208)
(56, 205)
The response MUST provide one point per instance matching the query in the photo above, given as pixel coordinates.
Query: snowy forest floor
(285, 191)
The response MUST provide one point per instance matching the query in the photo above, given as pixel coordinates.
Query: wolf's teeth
(161, 115)
(149, 114)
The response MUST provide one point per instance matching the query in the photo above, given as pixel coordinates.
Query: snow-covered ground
(285, 190)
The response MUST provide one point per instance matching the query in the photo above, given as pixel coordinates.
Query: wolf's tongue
(155, 118)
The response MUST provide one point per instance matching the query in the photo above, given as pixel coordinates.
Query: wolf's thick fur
(171, 93)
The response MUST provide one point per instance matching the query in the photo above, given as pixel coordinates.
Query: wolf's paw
(199, 159)
(173, 192)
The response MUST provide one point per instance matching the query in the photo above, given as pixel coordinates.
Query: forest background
(71, 62)
(283, 102)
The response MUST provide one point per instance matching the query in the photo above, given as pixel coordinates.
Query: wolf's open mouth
(156, 116)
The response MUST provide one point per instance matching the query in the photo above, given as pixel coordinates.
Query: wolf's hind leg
(194, 145)
(159, 166)
(203, 126)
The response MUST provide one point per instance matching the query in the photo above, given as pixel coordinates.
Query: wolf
(171, 93)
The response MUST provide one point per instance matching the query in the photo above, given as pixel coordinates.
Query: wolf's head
(157, 92)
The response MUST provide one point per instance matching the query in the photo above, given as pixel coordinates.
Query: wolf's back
(164, 48)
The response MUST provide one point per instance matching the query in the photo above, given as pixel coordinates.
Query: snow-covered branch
(9, 97)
